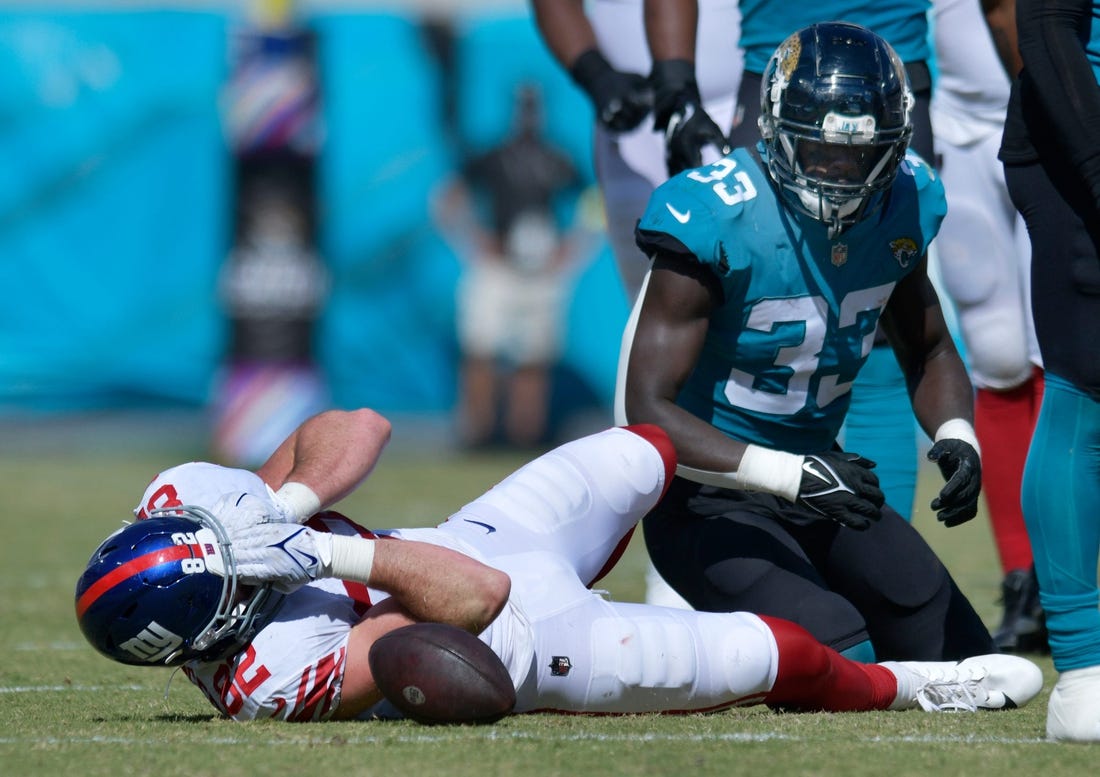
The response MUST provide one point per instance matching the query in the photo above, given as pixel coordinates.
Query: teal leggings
(1061, 502)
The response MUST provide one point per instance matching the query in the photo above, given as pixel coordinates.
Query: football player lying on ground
(271, 604)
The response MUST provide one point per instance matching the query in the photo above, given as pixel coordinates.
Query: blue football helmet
(835, 109)
(163, 591)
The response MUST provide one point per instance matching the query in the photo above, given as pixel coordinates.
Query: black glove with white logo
(962, 469)
(841, 487)
(621, 100)
(678, 110)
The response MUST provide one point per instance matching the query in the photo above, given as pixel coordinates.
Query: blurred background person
(984, 263)
(512, 294)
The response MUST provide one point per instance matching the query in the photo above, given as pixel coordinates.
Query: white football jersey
(555, 526)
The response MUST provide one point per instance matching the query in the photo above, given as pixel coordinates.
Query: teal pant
(1061, 503)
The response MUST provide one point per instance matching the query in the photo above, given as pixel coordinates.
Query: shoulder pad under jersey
(923, 174)
(930, 195)
(689, 214)
(197, 483)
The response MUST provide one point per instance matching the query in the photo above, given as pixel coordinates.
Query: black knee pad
(912, 606)
(760, 586)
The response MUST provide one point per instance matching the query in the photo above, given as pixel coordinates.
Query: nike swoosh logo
(810, 467)
(297, 554)
(488, 529)
(682, 217)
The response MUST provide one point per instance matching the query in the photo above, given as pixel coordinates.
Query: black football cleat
(1023, 626)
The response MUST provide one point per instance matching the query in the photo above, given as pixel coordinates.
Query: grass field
(64, 710)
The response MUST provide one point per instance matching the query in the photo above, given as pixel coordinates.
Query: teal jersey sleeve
(691, 213)
(698, 211)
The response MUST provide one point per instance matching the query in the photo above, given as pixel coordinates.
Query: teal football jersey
(765, 24)
(800, 310)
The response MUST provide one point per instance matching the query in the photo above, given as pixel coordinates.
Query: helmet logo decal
(131, 568)
(786, 56)
(789, 52)
(152, 643)
(904, 250)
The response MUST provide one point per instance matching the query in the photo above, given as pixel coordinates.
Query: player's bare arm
(677, 104)
(940, 391)
(621, 99)
(669, 337)
(330, 454)
(565, 28)
(937, 379)
(1000, 17)
(670, 28)
(427, 583)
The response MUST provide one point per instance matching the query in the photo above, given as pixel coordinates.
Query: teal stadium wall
(115, 203)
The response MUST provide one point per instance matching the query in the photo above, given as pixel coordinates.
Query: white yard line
(498, 736)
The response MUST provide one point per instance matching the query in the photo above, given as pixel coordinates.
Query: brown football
(435, 673)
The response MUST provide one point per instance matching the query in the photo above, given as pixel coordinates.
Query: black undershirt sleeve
(1059, 91)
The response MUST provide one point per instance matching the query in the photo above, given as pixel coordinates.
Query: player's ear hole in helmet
(835, 108)
(164, 590)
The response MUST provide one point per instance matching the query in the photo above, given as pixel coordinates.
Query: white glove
(239, 511)
(285, 554)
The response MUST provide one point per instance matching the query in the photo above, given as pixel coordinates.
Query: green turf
(64, 710)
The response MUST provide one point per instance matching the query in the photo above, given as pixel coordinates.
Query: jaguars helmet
(835, 109)
(163, 591)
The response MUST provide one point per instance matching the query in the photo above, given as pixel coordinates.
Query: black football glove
(962, 469)
(621, 100)
(841, 487)
(678, 110)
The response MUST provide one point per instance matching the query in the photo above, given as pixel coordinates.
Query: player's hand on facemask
(239, 512)
(285, 554)
(841, 487)
(961, 467)
(621, 99)
(678, 110)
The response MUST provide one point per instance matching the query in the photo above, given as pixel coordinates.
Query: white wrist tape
(352, 558)
(762, 469)
(298, 501)
(959, 429)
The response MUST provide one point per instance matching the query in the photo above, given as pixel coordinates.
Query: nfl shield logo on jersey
(560, 666)
(840, 254)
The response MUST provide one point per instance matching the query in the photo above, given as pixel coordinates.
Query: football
(435, 673)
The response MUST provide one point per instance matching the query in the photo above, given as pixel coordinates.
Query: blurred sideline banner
(115, 205)
(386, 334)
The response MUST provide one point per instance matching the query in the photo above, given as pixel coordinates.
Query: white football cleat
(1073, 714)
(990, 682)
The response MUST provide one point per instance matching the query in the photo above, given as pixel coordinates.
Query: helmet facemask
(835, 119)
(232, 621)
(164, 591)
